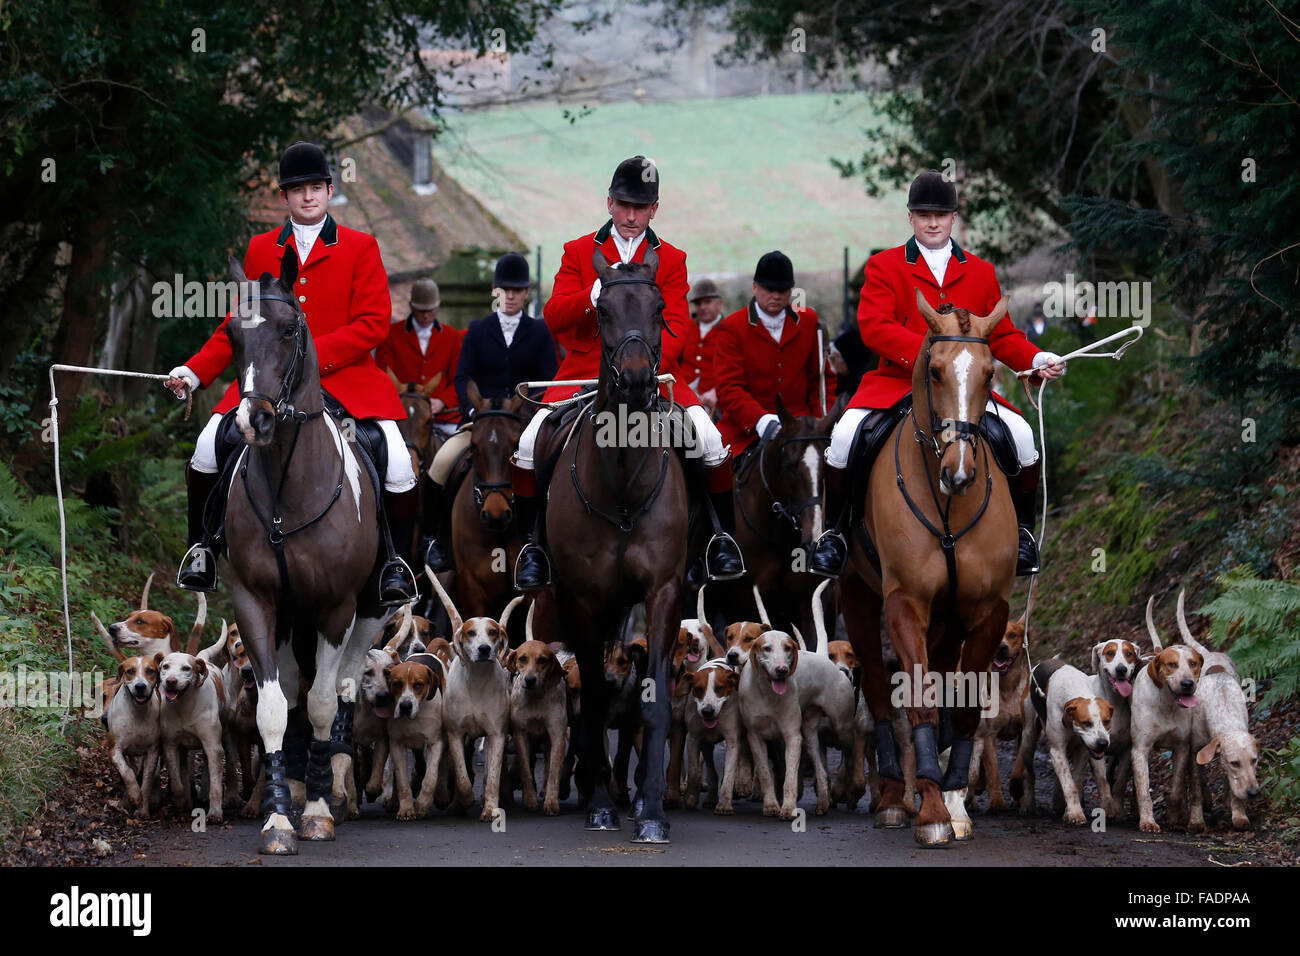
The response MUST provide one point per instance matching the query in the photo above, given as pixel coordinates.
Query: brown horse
(780, 511)
(484, 533)
(421, 438)
(941, 519)
(303, 534)
(617, 519)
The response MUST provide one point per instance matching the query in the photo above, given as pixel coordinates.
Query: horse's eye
(934, 373)
(288, 332)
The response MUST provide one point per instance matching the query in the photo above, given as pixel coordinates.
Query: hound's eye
(1236, 763)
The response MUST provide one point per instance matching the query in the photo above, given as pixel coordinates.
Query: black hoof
(601, 819)
(651, 831)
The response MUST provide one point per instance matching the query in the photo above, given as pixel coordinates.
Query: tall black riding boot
(722, 558)
(397, 583)
(1024, 489)
(435, 555)
(198, 571)
(830, 552)
(533, 566)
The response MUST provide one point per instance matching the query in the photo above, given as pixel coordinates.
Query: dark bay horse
(940, 515)
(780, 511)
(303, 535)
(617, 524)
(484, 533)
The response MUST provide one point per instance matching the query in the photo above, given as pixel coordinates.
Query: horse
(303, 535)
(617, 521)
(484, 533)
(947, 565)
(780, 511)
(421, 438)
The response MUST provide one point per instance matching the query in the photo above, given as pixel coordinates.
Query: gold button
(303, 280)
(302, 298)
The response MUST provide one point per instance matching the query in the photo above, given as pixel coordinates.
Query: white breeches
(707, 435)
(400, 476)
(837, 454)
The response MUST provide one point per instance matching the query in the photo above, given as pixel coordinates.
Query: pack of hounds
(774, 705)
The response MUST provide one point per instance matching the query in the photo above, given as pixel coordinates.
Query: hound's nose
(530, 681)
(1121, 672)
(1252, 793)
(1188, 685)
(707, 713)
(405, 708)
(782, 671)
(484, 652)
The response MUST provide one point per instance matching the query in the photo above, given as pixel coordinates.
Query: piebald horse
(303, 535)
(940, 515)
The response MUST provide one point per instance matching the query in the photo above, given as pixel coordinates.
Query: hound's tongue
(1122, 687)
(384, 713)
(1188, 701)
(692, 657)
(779, 686)
(713, 723)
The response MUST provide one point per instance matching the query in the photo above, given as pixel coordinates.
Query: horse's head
(794, 472)
(494, 437)
(952, 381)
(417, 427)
(630, 312)
(273, 353)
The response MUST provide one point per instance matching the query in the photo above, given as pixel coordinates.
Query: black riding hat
(304, 163)
(775, 272)
(931, 192)
(511, 272)
(635, 181)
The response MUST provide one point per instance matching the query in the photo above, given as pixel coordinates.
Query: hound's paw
(354, 812)
(771, 809)
(551, 807)
(1197, 826)
(1076, 817)
(422, 808)
(821, 807)
(488, 814)
(216, 816)
(724, 809)
(996, 803)
(251, 810)
(1240, 822)
(406, 813)
(1150, 826)
(787, 813)
(530, 802)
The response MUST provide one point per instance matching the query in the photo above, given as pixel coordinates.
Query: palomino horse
(484, 533)
(940, 515)
(303, 534)
(780, 511)
(617, 522)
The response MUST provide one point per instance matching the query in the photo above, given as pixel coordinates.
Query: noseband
(792, 512)
(960, 430)
(635, 337)
(484, 488)
(283, 408)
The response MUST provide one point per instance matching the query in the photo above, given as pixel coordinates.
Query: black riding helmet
(304, 163)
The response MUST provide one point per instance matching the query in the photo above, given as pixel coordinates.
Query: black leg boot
(722, 558)
(533, 566)
(198, 571)
(830, 552)
(434, 554)
(1024, 489)
(397, 583)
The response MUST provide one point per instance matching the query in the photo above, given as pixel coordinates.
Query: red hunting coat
(892, 326)
(572, 320)
(698, 356)
(343, 290)
(751, 369)
(401, 352)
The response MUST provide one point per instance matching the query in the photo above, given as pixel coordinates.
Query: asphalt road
(699, 838)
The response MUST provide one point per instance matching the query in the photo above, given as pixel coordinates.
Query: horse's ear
(237, 270)
(984, 324)
(599, 263)
(514, 403)
(474, 396)
(787, 420)
(652, 262)
(927, 312)
(289, 267)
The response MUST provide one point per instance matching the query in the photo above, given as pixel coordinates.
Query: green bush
(1261, 619)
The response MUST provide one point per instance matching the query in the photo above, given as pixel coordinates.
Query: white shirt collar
(775, 324)
(707, 327)
(509, 325)
(936, 259)
(305, 237)
(626, 247)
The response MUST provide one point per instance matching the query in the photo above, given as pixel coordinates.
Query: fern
(1262, 619)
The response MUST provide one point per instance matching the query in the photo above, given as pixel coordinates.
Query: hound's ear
(682, 687)
(1095, 658)
(433, 683)
(1206, 753)
(512, 661)
(440, 675)
(640, 655)
(201, 668)
(121, 669)
(794, 656)
(158, 659)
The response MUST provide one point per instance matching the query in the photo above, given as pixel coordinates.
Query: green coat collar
(329, 233)
(605, 231)
(913, 251)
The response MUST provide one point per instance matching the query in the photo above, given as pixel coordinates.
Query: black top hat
(775, 272)
(635, 181)
(511, 272)
(304, 163)
(931, 192)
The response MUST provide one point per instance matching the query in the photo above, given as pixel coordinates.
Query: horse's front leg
(322, 707)
(661, 625)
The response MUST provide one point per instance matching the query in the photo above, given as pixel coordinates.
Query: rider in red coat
(422, 347)
(571, 316)
(891, 326)
(342, 290)
(765, 350)
(700, 344)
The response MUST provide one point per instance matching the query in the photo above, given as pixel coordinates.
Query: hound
(1078, 727)
(1161, 718)
(1116, 664)
(148, 633)
(1010, 669)
(416, 685)
(477, 701)
(370, 728)
(708, 719)
(190, 719)
(538, 709)
(625, 667)
(827, 709)
(695, 644)
(739, 638)
(133, 730)
(1221, 725)
(769, 710)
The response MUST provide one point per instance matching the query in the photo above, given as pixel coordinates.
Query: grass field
(738, 177)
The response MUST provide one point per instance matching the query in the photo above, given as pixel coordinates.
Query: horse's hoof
(962, 831)
(601, 819)
(891, 818)
(318, 828)
(279, 842)
(933, 834)
(651, 831)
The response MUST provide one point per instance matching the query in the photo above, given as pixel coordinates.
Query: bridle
(964, 431)
(283, 408)
(792, 512)
(482, 489)
(410, 445)
(635, 337)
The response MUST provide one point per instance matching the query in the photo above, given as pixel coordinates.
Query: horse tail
(819, 620)
(1186, 631)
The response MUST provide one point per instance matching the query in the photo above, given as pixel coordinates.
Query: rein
(790, 513)
(627, 517)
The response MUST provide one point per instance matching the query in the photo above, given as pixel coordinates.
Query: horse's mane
(963, 317)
